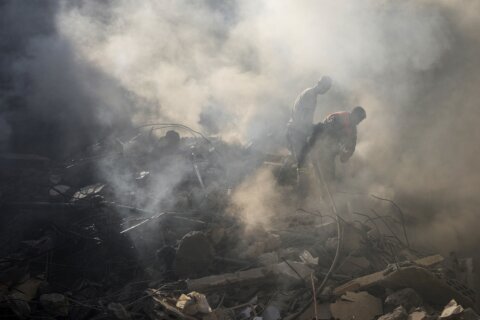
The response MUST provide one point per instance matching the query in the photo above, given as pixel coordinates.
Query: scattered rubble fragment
(398, 314)
(87, 250)
(55, 304)
(455, 311)
(193, 303)
(418, 315)
(406, 298)
(356, 305)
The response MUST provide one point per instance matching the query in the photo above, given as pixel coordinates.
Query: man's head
(172, 137)
(323, 84)
(357, 115)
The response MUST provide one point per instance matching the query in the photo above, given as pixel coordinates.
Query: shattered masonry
(75, 246)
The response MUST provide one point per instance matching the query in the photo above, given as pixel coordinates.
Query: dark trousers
(297, 144)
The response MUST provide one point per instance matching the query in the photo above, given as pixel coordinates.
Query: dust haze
(77, 70)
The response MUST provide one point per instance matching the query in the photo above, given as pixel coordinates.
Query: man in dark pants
(300, 126)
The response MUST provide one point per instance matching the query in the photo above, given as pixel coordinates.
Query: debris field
(78, 244)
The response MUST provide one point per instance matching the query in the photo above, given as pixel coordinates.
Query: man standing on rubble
(335, 136)
(300, 126)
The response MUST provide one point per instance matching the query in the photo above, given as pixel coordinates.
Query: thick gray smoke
(234, 68)
(52, 102)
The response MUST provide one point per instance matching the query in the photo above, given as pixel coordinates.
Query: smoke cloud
(234, 68)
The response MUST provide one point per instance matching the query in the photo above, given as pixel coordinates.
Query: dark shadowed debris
(162, 307)
(356, 305)
(419, 314)
(22, 294)
(407, 298)
(288, 273)
(194, 255)
(431, 285)
(118, 311)
(398, 314)
(55, 304)
(93, 247)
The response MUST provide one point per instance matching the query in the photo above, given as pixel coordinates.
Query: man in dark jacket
(336, 136)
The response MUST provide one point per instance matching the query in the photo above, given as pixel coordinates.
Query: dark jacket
(341, 130)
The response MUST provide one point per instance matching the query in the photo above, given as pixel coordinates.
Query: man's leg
(326, 162)
(296, 143)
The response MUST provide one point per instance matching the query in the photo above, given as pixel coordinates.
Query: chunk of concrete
(289, 273)
(408, 298)
(193, 303)
(418, 315)
(398, 314)
(429, 285)
(356, 305)
(452, 310)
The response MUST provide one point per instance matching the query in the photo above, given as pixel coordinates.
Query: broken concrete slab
(398, 314)
(429, 261)
(418, 315)
(408, 298)
(288, 272)
(356, 305)
(252, 276)
(268, 258)
(374, 278)
(428, 284)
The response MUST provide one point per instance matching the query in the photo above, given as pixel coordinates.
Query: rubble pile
(75, 245)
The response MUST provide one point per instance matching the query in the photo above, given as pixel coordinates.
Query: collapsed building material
(194, 255)
(308, 259)
(375, 278)
(19, 297)
(454, 311)
(160, 308)
(407, 298)
(118, 311)
(398, 314)
(104, 252)
(428, 284)
(193, 303)
(288, 272)
(55, 304)
(418, 315)
(321, 311)
(356, 305)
